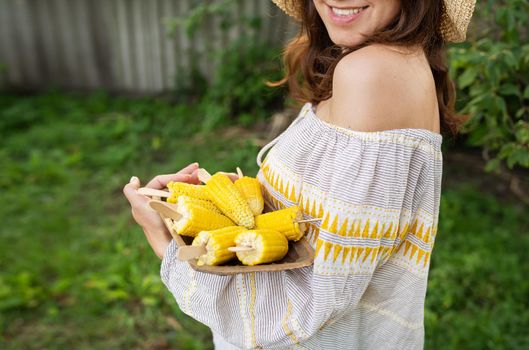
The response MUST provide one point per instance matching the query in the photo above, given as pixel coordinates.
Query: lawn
(76, 272)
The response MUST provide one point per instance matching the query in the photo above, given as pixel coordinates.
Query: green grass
(478, 291)
(76, 272)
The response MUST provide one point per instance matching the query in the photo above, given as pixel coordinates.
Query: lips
(347, 11)
(345, 15)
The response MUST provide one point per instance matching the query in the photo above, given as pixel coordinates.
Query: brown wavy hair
(310, 58)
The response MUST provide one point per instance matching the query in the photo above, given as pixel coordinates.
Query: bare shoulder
(371, 62)
(380, 87)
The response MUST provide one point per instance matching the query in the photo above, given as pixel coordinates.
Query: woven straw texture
(456, 16)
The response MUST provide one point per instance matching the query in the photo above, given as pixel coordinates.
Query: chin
(347, 40)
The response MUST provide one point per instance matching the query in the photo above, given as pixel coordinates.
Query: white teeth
(347, 12)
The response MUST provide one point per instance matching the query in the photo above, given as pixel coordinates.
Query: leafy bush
(237, 89)
(492, 76)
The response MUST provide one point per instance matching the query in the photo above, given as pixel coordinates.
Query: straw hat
(456, 16)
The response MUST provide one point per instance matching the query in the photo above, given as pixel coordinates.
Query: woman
(364, 155)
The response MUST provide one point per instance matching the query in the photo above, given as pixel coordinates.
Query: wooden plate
(300, 254)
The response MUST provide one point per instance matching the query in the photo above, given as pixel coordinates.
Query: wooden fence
(116, 45)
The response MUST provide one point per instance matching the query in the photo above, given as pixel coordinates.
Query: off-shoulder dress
(378, 195)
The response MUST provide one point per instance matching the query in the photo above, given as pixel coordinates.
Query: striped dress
(378, 196)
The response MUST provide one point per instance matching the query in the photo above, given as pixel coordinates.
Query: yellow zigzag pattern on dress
(286, 188)
(372, 229)
(331, 223)
(272, 201)
(313, 231)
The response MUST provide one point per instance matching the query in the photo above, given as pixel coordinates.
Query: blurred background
(95, 91)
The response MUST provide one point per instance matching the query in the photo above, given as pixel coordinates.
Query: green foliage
(237, 90)
(492, 77)
(202, 11)
(76, 271)
(477, 289)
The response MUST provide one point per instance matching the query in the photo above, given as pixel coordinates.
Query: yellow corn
(268, 246)
(284, 221)
(178, 189)
(196, 218)
(251, 190)
(203, 203)
(217, 243)
(229, 200)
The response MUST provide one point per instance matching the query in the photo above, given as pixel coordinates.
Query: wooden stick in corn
(216, 244)
(167, 209)
(196, 218)
(240, 249)
(151, 192)
(227, 198)
(288, 221)
(188, 252)
(266, 246)
(308, 220)
(251, 190)
(178, 189)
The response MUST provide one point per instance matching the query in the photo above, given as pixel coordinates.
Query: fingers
(130, 191)
(184, 175)
(189, 169)
(188, 174)
(194, 178)
(135, 182)
(160, 182)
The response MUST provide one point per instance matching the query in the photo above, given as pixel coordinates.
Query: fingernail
(195, 163)
(132, 179)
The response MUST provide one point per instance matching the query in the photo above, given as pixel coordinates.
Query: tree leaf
(509, 89)
(492, 165)
(522, 132)
(467, 77)
(526, 92)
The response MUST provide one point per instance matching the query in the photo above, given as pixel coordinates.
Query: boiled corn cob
(182, 188)
(229, 200)
(251, 190)
(284, 221)
(217, 243)
(196, 218)
(266, 246)
(204, 203)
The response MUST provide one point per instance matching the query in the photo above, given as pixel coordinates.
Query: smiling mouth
(346, 12)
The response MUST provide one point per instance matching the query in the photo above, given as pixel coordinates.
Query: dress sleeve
(367, 193)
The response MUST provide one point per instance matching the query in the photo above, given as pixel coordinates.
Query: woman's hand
(154, 228)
